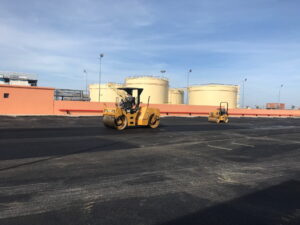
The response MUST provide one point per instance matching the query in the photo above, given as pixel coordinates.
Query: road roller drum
(109, 121)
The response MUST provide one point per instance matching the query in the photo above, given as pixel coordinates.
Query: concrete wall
(26, 100)
(80, 108)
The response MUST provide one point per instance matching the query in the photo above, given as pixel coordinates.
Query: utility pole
(187, 85)
(86, 82)
(245, 80)
(279, 96)
(101, 56)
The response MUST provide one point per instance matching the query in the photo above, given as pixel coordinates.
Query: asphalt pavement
(73, 170)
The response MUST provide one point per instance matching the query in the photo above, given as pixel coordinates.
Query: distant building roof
(18, 76)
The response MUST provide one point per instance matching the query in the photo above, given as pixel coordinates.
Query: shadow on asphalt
(276, 205)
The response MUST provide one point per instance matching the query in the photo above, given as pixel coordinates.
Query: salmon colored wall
(94, 108)
(263, 112)
(26, 100)
(79, 107)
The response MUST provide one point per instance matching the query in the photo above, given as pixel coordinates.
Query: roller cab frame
(220, 115)
(130, 113)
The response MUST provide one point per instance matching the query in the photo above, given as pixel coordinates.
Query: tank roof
(108, 83)
(177, 89)
(213, 84)
(148, 76)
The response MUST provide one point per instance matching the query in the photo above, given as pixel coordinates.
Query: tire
(121, 122)
(153, 121)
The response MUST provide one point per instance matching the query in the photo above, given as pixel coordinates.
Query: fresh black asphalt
(73, 170)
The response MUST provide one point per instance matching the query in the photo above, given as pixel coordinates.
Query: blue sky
(221, 41)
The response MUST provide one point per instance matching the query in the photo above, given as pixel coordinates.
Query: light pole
(101, 56)
(279, 96)
(245, 80)
(187, 85)
(162, 72)
(86, 81)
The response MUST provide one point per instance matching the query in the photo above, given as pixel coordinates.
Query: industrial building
(275, 106)
(213, 94)
(70, 95)
(16, 78)
(155, 87)
(176, 96)
(108, 92)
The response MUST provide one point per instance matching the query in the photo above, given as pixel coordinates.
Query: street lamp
(187, 85)
(163, 71)
(245, 80)
(101, 56)
(279, 96)
(86, 81)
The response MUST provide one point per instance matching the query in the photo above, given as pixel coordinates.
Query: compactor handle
(148, 101)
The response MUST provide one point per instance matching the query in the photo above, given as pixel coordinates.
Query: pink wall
(263, 112)
(24, 100)
(94, 108)
(79, 107)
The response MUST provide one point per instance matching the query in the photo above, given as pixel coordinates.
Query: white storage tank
(155, 87)
(213, 94)
(108, 92)
(176, 96)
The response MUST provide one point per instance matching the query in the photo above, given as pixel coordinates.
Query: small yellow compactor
(129, 113)
(220, 115)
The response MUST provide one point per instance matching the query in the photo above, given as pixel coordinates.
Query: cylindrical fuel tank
(213, 94)
(176, 96)
(108, 92)
(155, 87)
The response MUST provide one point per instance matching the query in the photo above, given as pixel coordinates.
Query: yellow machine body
(143, 117)
(120, 118)
(220, 115)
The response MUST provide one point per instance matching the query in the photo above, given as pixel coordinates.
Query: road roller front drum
(109, 121)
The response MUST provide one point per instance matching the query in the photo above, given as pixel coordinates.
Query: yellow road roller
(220, 115)
(129, 112)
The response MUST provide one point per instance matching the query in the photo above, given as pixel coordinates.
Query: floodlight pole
(86, 81)
(101, 56)
(279, 95)
(245, 80)
(187, 85)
